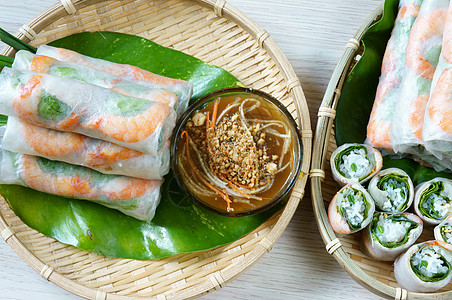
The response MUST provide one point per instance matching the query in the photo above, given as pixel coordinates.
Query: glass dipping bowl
(193, 177)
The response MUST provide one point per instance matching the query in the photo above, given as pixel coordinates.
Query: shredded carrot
(207, 121)
(215, 111)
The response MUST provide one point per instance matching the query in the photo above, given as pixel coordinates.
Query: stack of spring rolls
(412, 110)
(90, 129)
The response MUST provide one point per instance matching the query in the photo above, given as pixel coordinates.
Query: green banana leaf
(358, 94)
(179, 226)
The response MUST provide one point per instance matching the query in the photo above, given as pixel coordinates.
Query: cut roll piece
(353, 163)
(443, 231)
(351, 209)
(388, 235)
(77, 149)
(425, 267)
(392, 190)
(432, 200)
(181, 88)
(71, 105)
(27, 61)
(135, 197)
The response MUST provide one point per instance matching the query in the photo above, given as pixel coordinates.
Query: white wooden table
(313, 35)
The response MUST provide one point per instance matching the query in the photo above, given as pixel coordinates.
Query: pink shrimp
(129, 187)
(440, 105)
(25, 106)
(447, 37)
(154, 95)
(130, 129)
(416, 117)
(41, 64)
(338, 223)
(51, 142)
(34, 177)
(106, 153)
(427, 26)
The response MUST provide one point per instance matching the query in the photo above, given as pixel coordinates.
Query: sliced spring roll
(432, 200)
(425, 267)
(423, 49)
(437, 130)
(71, 105)
(392, 190)
(355, 163)
(388, 235)
(351, 209)
(182, 89)
(443, 231)
(77, 149)
(27, 61)
(135, 197)
(392, 69)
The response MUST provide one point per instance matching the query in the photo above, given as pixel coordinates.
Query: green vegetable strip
(14, 42)
(395, 218)
(402, 183)
(434, 188)
(436, 277)
(6, 61)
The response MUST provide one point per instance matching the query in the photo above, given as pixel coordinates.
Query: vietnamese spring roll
(392, 190)
(422, 54)
(388, 235)
(135, 197)
(182, 89)
(432, 200)
(355, 163)
(392, 69)
(443, 231)
(77, 149)
(71, 105)
(424, 267)
(437, 131)
(27, 61)
(351, 209)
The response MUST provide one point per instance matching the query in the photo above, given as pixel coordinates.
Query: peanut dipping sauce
(237, 153)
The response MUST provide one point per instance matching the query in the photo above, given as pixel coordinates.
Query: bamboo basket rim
(323, 131)
(222, 9)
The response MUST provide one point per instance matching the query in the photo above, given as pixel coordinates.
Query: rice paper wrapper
(423, 50)
(27, 61)
(409, 280)
(389, 251)
(392, 71)
(135, 197)
(183, 89)
(443, 231)
(433, 200)
(71, 105)
(77, 149)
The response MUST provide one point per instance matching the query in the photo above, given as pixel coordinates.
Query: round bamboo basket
(376, 276)
(217, 33)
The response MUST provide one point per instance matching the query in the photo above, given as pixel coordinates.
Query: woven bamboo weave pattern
(216, 33)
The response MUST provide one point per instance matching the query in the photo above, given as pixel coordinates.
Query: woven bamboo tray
(213, 31)
(376, 276)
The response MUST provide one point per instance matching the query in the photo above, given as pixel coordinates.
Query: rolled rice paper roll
(182, 89)
(424, 267)
(437, 130)
(392, 70)
(422, 54)
(351, 209)
(135, 197)
(432, 200)
(71, 105)
(392, 190)
(443, 231)
(388, 235)
(27, 61)
(77, 149)
(352, 163)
